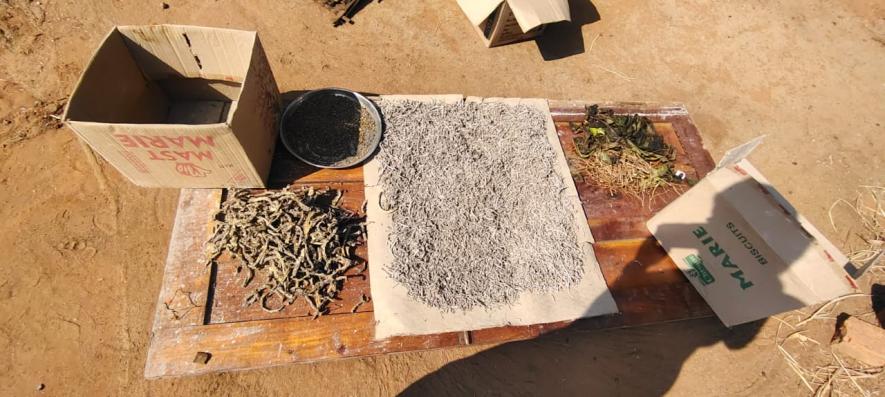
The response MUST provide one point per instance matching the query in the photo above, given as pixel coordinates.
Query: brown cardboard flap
(254, 118)
(131, 98)
(201, 89)
(747, 252)
(155, 155)
(529, 13)
(533, 13)
(169, 51)
(478, 10)
(197, 112)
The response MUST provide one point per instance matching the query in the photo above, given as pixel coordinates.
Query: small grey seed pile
(479, 214)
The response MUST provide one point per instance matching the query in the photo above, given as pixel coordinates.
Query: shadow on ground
(878, 302)
(564, 39)
(350, 13)
(639, 361)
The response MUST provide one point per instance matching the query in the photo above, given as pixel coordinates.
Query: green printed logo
(698, 269)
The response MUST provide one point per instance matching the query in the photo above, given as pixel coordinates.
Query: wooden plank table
(200, 308)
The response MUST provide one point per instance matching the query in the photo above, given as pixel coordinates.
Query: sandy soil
(83, 249)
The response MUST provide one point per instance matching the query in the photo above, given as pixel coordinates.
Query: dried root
(299, 243)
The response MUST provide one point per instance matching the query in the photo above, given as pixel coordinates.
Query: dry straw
(822, 371)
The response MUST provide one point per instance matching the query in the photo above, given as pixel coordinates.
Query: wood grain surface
(646, 285)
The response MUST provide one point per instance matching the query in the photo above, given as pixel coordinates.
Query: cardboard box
(179, 106)
(746, 249)
(507, 21)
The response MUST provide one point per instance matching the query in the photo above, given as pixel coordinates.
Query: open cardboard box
(179, 106)
(746, 250)
(500, 22)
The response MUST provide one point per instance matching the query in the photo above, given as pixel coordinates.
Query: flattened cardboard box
(500, 22)
(746, 250)
(179, 106)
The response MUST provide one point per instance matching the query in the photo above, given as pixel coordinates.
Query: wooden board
(200, 308)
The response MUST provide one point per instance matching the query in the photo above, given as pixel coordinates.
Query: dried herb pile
(292, 242)
(623, 153)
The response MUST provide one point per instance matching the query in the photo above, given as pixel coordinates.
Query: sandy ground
(83, 249)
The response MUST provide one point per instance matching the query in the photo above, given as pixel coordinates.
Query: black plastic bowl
(318, 128)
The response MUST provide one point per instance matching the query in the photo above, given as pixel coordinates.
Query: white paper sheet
(398, 314)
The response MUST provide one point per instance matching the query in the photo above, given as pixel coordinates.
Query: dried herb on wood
(296, 242)
(623, 153)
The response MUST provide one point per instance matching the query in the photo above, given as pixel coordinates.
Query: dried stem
(298, 243)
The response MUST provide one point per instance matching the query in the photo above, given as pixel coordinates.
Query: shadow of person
(564, 39)
(626, 361)
(878, 302)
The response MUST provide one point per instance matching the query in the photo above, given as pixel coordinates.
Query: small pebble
(202, 357)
